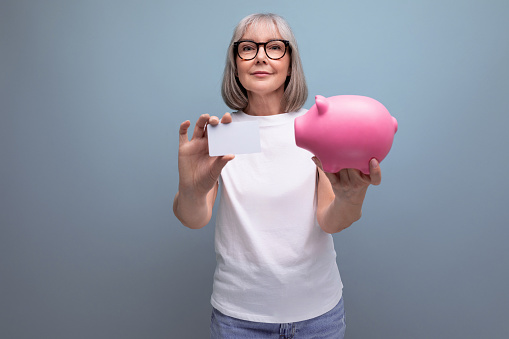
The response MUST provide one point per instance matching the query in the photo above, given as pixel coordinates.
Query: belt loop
(287, 331)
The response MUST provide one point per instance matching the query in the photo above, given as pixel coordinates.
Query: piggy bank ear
(321, 104)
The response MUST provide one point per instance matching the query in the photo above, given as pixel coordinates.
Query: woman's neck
(259, 105)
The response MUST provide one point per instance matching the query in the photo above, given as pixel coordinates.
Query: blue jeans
(330, 325)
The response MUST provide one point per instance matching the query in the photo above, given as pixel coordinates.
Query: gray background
(93, 92)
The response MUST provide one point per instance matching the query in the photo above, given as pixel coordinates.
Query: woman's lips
(261, 74)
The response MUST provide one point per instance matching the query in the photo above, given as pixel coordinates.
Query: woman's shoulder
(301, 111)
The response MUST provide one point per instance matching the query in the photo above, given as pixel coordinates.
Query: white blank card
(234, 138)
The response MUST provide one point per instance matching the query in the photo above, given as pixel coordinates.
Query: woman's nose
(261, 56)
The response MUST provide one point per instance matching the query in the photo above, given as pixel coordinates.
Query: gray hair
(296, 91)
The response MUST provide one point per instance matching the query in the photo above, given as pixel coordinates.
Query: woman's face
(263, 76)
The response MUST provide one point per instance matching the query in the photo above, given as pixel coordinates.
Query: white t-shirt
(274, 262)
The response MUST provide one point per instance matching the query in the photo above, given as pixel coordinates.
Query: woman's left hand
(349, 184)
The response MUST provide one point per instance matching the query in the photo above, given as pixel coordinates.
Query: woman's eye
(274, 47)
(247, 48)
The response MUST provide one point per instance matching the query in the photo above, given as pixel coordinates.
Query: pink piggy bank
(346, 131)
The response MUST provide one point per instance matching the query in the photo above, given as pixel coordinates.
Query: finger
(219, 164)
(344, 177)
(213, 120)
(199, 128)
(226, 119)
(358, 178)
(354, 176)
(375, 172)
(183, 131)
(331, 176)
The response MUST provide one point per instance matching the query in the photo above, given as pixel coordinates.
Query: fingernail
(374, 163)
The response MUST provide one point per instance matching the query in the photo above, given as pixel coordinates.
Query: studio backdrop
(92, 94)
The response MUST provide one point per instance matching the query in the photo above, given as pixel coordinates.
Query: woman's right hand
(199, 172)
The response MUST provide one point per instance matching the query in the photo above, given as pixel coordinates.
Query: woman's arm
(194, 211)
(198, 174)
(340, 195)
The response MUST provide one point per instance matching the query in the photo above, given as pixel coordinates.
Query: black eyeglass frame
(258, 44)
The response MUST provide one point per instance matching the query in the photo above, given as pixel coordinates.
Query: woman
(276, 274)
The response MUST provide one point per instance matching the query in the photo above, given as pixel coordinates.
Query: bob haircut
(296, 91)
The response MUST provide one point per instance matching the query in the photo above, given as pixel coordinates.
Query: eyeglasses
(274, 49)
